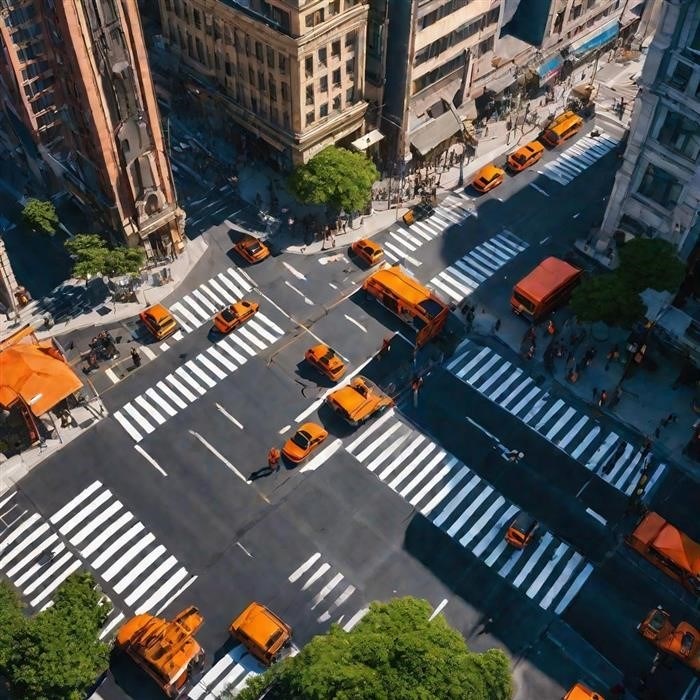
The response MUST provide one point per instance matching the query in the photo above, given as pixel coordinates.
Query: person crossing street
(273, 459)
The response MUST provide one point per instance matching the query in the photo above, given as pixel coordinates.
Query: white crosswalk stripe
(577, 157)
(143, 414)
(460, 279)
(403, 240)
(93, 531)
(576, 434)
(476, 516)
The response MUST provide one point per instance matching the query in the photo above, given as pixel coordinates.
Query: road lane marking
(437, 610)
(148, 352)
(294, 271)
(298, 573)
(150, 459)
(285, 429)
(218, 454)
(238, 544)
(597, 516)
(299, 292)
(112, 375)
(355, 619)
(539, 189)
(322, 456)
(357, 323)
(223, 411)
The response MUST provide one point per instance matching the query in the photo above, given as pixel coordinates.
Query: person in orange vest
(551, 329)
(273, 458)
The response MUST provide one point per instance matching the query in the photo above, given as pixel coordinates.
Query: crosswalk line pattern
(199, 306)
(232, 671)
(470, 511)
(577, 157)
(462, 278)
(95, 531)
(143, 414)
(402, 241)
(573, 432)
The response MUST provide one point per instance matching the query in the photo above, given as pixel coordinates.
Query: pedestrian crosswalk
(575, 433)
(93, 530)
(469, 510)
(142, 415)
(402, 241)
(461, 278)
(199, 306)
(231, 672)
(577, 157)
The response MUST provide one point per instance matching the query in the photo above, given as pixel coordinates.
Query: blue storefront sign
(594, 41)
(550, 68)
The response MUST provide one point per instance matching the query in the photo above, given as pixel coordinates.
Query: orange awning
(678, 547)
(37, 373)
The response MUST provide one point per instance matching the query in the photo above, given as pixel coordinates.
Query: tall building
(81, 105)
(289, 72)
(657, 188)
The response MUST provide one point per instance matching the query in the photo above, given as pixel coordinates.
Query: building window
(313, 19)
(350, 95)
(258, 51)
(323, 56)
(282, 63)
(333, 7)
(350, 39)
(274, 115)
(285, 120)
(227, 68)
(309, 94)
(254, 104)
(350, 66)
(575, 12)
(336, 77)
(285, 92)
(200, 51)
(335, 49)
(681, 134)
(270, 57)
(323, 110)
(309, 66)
(272, 87)
(660, 186)
(197, 18)
(485, 46)
(336, 102)
(323, 84)
(251, 76)
(310, 118)
(261, 81)
(247, 45)
(681, 76)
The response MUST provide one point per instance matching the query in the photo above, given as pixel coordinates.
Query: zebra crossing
(94, 529)
(143, 414)
(577, 157)
(461, 278)
(232, 671)
(403, 240)
(469, 510)
(578, 435)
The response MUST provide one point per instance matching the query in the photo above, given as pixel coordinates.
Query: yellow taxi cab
(304, 442)
(326, 360)
(368, 251)
(359, 401)
(263, 633)
(521, 530)
(235, 315)
(251, 249)
(525, 156)
(487, 178)
(582, 692)
(159, 321)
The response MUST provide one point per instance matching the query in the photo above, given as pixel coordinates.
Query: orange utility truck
(669, 549)
(262, 633)
(408, 299)
(548, 286)
(165, 649)
(681, 641)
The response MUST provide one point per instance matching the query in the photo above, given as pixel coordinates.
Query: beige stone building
(82, 107)
(657, 188)
(291, 72)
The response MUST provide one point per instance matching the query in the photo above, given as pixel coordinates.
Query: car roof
(488, 171)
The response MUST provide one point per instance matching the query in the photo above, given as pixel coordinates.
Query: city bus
(408, 299)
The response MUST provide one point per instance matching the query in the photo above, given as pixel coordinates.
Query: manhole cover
(103, 310)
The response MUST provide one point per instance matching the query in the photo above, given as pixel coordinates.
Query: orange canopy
(679, 548)
(38, 374)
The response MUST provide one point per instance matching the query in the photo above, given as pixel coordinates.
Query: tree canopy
(93, 257)
(337, 177)
(394, 653)
(40, 215)
(613, 297)
(57, 654)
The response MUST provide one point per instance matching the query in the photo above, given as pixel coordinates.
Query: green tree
(11, 621)
(40, 215)
(395, 653)
(57, 655)
(123, 261)
(93, 257)
(337, 177)
(613, 297)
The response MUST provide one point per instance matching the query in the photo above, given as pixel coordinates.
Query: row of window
(443, 11)
(319, 16)
(335, 75)
(336, 106)
(455, 37)
(322, 53)
(681, 78)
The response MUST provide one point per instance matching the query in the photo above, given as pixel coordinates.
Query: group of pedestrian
(469, 313)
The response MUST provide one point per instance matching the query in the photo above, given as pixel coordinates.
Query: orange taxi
(235, 315)
(304, 442)
(582, 692)
(251, 249)
(487, 178)
(326, 361)
(368, 251)
(521, 531)
(159, 321)
(525, 156)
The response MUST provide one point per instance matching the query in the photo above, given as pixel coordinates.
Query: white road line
(320, 596)
(84, 494)
(154, 396)
(298, 573)
(171, 395)
(175, 382)
(135, 572)
(112, 375)
(597, 516)
(140, 419)
(106, 534)
(574, 589)
(134, 530)
(321, 457)
(225, 413)
(299, 292)
(175, 595)
(85, 512)
(103, 634)
(316, 575)
(148, 352)
(133, 433)
(156, 415)
(438, 609)
(129, 556)
(357, 323)
(355, 619)
(218, 454)
(150, 459)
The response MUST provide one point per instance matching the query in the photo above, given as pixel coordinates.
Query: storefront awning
(427, 137)
(364, 142)
(596, 39)
(550, 67)
(500, 83)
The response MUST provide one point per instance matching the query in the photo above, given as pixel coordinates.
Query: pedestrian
(273, 458)
(670, 418)
(485, 626)
(530, 353)
(612, 356)
(603, 398)
(551, 328)
(416, 385)
(136, 357)
(647, 446)
(497, 325)
(570, 359)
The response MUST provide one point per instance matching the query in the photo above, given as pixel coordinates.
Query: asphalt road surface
(158, 500)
